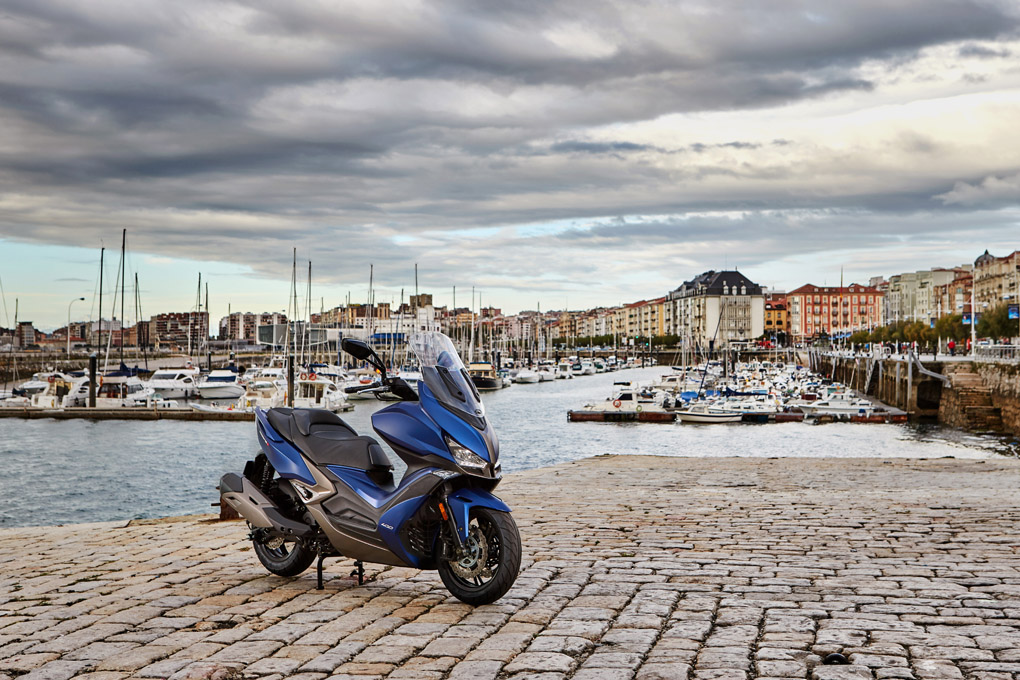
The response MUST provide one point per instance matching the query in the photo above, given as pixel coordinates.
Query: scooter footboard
(462, 500)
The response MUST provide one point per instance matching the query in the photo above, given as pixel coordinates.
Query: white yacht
(174, 383)
(526, 375)
(587, 367)
(546, 372)
(221, 384)
(39, 382)
(563, 370)
(315, 391)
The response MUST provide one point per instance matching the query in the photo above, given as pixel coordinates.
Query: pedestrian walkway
(635, 567)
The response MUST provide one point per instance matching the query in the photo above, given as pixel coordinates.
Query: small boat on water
(563, 371)
(174, 383)
(484, 376)
(526, 376)
(546, 373)
(836, 407)
(629, 401)
(221, 384)
(704, 413)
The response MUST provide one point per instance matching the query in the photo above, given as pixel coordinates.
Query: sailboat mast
(99, 342)
(123, 266)
(138, 325)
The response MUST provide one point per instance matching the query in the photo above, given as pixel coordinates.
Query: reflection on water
(83, 471)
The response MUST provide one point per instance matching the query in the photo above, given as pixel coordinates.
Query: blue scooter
(320, 490)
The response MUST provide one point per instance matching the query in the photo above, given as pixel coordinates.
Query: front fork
(451, 522)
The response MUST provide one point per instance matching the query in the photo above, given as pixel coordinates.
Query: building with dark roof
(717, 308)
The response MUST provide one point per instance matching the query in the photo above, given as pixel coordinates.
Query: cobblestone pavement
(635, 568)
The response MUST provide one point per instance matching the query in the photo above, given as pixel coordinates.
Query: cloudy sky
(554, 152)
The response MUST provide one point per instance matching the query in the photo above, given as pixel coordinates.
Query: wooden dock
(125, 414)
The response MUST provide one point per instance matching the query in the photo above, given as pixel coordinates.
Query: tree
(996, 323)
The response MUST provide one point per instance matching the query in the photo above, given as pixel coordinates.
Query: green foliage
(997, 324)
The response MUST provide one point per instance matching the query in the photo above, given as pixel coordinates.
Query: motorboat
(836, 407)
(174, 383)
(484, 376)
(263, 393)
(314, 391)
(221, 384)
(629, 401)
(587, 367)
(526, 376)
(38, 383)
(576, 368)
(546, 373)
(62, 391)
(707, 412)
(563, 371)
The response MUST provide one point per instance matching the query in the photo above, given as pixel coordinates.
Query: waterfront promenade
(635, 567)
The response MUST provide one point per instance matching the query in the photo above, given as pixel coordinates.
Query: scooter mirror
(357, 349)
(364, 352)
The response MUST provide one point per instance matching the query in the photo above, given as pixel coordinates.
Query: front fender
(462, 500)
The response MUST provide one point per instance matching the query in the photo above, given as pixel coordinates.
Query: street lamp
(80, 299)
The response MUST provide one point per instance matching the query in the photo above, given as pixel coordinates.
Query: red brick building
(833, 310)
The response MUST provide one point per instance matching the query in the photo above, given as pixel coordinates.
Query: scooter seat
(327, 440)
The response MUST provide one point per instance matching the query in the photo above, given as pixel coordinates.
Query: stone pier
(636, 568)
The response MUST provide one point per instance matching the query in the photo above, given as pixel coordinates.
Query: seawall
(979, 396)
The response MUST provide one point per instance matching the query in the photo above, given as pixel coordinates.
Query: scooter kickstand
(318, 570)
(359, 572)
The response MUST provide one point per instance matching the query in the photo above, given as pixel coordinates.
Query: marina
(171, 467)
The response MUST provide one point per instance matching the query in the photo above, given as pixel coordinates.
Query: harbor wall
(978, 396)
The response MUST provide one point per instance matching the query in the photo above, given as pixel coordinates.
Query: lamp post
(79, 299)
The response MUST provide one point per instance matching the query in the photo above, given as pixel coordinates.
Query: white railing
(998, 353)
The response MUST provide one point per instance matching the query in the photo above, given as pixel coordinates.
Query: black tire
(502, 564)
(289, 559)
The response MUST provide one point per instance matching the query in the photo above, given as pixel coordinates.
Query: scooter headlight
(465, 457)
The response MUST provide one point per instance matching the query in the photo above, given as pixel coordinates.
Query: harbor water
(73, 471)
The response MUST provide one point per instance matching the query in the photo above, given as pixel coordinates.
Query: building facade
(182, 329)
(717, 309)
(996, 279)
(833, 310)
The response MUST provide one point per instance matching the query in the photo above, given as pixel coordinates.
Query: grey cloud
(259, 125)
(983, 52)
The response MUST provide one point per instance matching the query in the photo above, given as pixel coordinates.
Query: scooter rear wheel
(286, 559)
(488, 573)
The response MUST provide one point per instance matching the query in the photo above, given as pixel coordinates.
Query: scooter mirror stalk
(363, 351)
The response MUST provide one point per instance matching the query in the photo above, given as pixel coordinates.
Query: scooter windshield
(445, 374)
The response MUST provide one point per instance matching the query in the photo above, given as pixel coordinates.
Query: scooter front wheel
(492, 562)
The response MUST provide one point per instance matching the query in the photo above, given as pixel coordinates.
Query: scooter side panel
(462, 500)
(407, 425)
(355, 518)
(285, 459)
(391, 522)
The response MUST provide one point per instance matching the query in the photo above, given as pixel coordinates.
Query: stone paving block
(715, 569)
(541, 661)
(663, 671)
(850, 672)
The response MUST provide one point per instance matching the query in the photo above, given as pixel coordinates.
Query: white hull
(688, 417)
(836, 409)
(171, 392)
(225, 391)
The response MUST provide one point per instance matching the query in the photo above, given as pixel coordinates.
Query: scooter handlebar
(362, 388)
